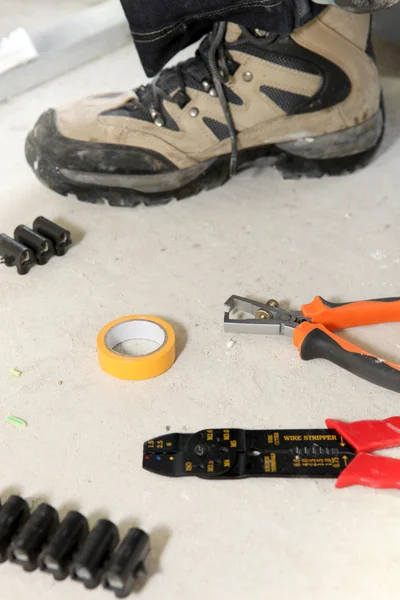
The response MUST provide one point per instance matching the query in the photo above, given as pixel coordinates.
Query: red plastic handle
(353, 314)
(368, 436)
(372, 471)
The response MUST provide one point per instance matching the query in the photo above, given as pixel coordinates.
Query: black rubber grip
(318, 344)
(338, 304)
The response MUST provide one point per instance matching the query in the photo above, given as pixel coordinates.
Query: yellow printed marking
(276, 438)
(270, 439)
(292, 438)
(210, 435)
(319, 438)
(273, 462)
(227, 463)
(233, 444)
(226, 434)
(336, 462)
(188, 466)
(151, 444)
(169, 443)
(210, 466)
(342, 442)
(317, 462)
(267, 464)
(270, 463)
(160, 444)
(345, 460)
(171, 458)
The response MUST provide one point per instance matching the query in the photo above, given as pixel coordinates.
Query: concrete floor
(258, 236)
(29, 14)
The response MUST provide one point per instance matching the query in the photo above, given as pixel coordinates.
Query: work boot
(310, 102)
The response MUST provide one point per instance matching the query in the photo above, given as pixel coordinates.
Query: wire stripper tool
(312, 327)
(343, 451)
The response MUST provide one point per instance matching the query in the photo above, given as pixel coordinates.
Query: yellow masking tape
(136, 327)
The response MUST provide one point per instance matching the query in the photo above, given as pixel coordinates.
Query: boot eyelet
(194, 112)
(181, 98)
(206, 85)
(247, 76)
(213, 92)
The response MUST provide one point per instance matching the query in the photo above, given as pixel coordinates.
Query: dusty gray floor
(258, 236)
(27, 13)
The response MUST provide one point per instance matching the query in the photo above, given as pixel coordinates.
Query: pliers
(342, 451)
(311, 329)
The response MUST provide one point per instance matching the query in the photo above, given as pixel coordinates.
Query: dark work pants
(161, 28)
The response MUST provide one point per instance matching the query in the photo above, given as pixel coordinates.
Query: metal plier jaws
(269, 319)
(312, 330)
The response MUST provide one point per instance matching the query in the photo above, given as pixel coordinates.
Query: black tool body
(234, 453)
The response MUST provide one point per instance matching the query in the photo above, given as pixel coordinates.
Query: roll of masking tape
(136, 327)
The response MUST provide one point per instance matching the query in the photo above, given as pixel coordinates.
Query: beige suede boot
(310, 102)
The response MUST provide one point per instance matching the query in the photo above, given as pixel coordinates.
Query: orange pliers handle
(315, 337)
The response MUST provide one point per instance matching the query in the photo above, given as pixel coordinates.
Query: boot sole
(332, 154)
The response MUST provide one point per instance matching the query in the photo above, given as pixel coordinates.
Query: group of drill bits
(34, 246)
(68, 548)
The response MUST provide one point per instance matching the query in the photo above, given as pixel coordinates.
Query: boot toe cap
(49, 138)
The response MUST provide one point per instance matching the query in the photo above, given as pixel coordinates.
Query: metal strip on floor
(79, 39)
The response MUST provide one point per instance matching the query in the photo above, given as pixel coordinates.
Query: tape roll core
(136, 327)
(135, 330)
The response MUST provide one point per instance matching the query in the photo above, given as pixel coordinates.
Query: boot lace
(211, 62)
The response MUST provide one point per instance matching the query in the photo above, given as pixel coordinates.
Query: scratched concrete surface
(29, 13)
(258, 236)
